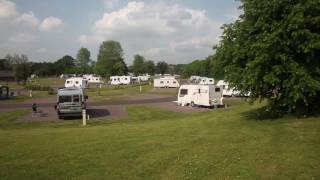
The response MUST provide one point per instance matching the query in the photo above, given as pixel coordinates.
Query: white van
(70, 102)
(200, 95)
(166, 82)
(78, 82)
(227, 91)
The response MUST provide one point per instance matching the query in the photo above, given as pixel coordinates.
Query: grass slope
(158, 144)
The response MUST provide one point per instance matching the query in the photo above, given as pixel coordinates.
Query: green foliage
(197, 67)
(162, 67)
(83, 60)
(5, 64)
(138, 66)
(21, 68)
(273, 51)
(110, 53)
(64, 65)
(150, 67)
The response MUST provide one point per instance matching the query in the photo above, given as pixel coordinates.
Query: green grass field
(158, 144)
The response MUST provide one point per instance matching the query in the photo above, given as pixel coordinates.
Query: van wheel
(192, 104)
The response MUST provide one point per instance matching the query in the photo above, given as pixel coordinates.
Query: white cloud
(22, 38)
(28, 19)
(50, 23)
(160, 31)
(7, 10)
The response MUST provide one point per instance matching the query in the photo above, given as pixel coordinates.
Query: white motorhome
(200, 95)
(227, 91)
(78, 82)
(92, 78)
(206, 81)
(166, 82)
(117, 80)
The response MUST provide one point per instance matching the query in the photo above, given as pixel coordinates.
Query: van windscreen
(63, 99)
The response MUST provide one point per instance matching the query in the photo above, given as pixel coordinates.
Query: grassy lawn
(158, 144)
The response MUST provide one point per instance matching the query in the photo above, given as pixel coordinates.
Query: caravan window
(217, 89)
(161, 82)
(77, 82)
(68, 82)
(174, 82)
(183, 92)
(224, 87)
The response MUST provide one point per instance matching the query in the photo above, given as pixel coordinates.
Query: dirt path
(42, 103)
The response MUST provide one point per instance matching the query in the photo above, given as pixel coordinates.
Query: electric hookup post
(84, 117)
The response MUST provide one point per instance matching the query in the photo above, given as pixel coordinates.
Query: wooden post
(84, 117)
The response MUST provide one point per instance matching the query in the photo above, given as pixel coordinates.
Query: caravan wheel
(192, 104)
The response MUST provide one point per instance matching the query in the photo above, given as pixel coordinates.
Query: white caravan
(227, 91)
(92, 79)
(78, 82)
(166, 82)
(117, 80)
(206, 81)
(200, 95)
(144, 77)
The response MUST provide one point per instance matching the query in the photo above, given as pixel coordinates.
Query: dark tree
(162, 67)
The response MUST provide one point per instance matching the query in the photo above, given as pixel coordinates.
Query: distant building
(6, 76)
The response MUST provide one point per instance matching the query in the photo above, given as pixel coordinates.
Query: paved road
(120, 102)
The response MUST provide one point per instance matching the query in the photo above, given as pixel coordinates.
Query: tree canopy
(110, 54)
(83, 60)
(273, 51)
(162, 67)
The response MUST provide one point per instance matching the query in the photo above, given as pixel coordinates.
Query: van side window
(217, 89)
(183, 92)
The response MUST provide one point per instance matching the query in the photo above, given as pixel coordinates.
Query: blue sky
(176, 31)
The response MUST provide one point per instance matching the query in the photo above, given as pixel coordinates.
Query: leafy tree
(120, 68)
(5, 64)
(83, 60)
(138, 66)
(21, 68)
(197, 67)
(64, 65)
(273, 51)
(110, 53)
(162, 67)
(149, 67)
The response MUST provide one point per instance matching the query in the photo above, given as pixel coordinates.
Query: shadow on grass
(259, 114)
